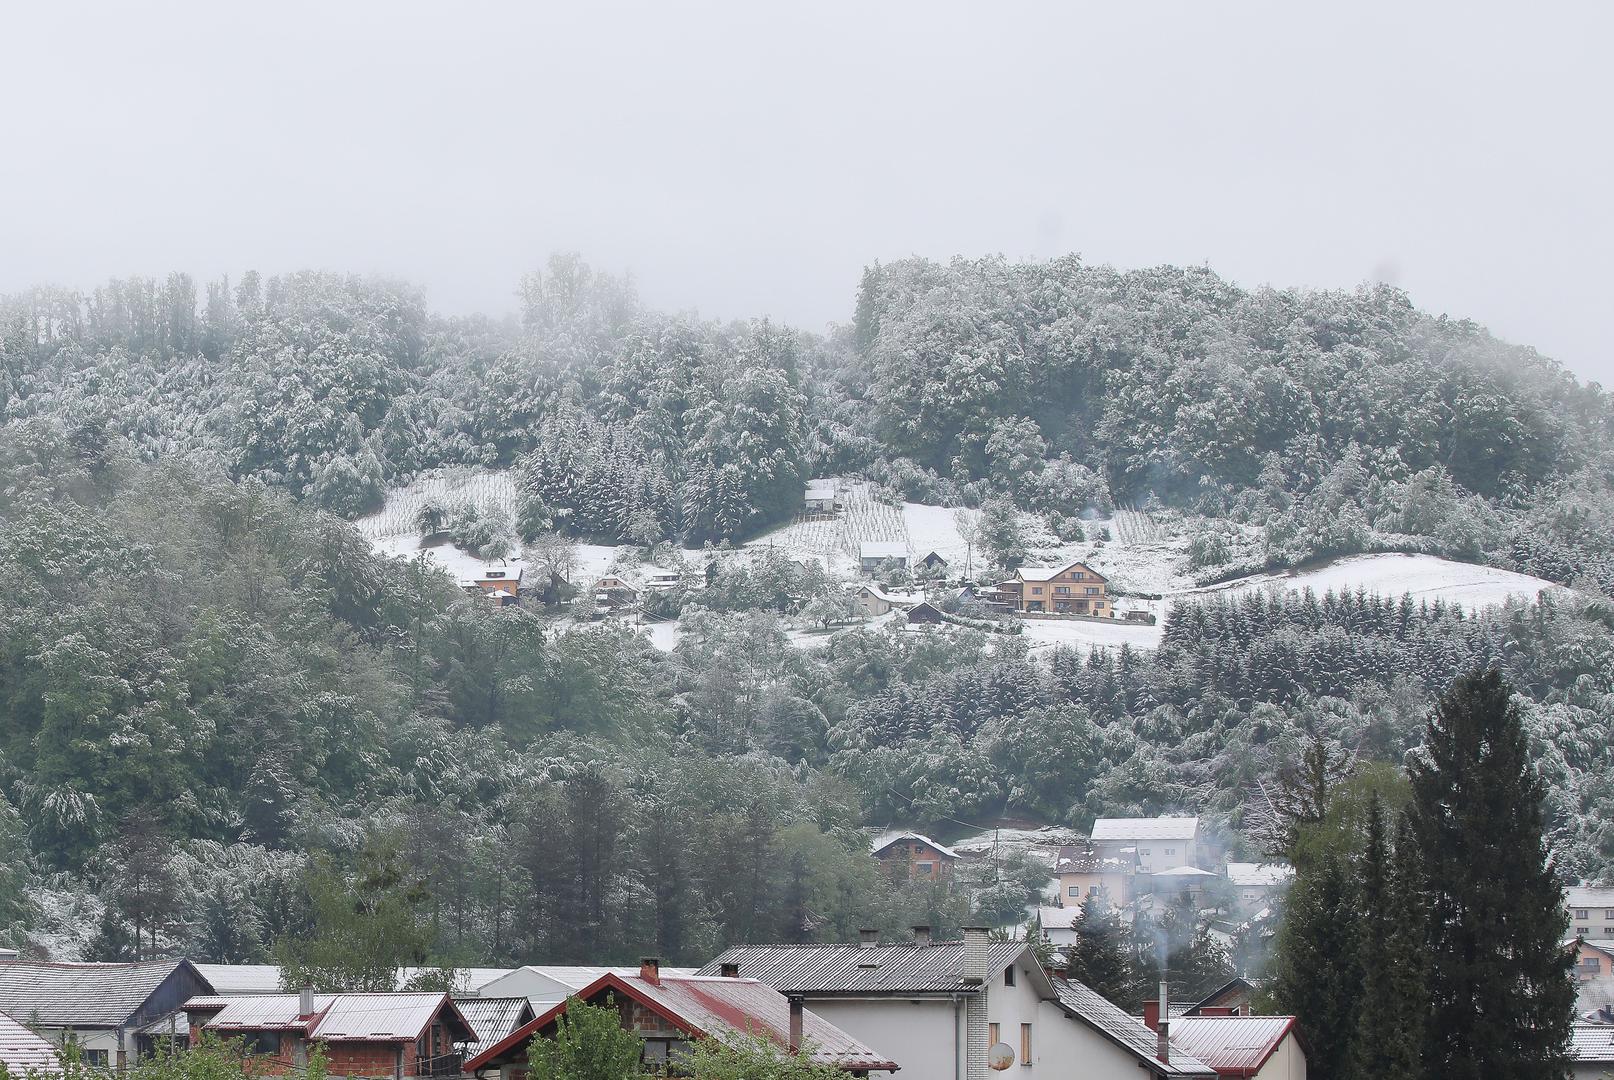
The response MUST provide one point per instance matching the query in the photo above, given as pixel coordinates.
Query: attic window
(1008, 975)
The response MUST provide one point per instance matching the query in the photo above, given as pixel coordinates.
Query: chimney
(921, 935)
(1163, 1040)
(729, 970)
(1151, 1015)
(650, 969)
(974, 970)
(868, 939)
(305, 1002)
(8, 956)
(795, 1024)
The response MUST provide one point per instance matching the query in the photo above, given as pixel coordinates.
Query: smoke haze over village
(749, 161)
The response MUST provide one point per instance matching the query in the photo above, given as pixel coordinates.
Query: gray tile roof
(80, 995)
(1592, 1043)
(1124, 1030)
(22, 1050)
(850, 969)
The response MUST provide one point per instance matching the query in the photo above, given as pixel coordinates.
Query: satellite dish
(1000, 1056)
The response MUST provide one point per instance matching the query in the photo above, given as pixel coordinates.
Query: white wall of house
(89, 1039)
(1288, 1062)
(917, 1033)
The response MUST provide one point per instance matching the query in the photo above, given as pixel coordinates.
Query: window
(1036, 590)
(1592, 963)
(1582, 913)
(1092, 890)
(1609, 913)
(1251, 894)
(1061, 590)
(1582, 931)
(1025, 1044)
(1608, 931)
(1091, 591)
(1008, 975)
(95, 1058)
(263, 1043)
(1075, 890)
(926, 869)
(1143, 851)
(1171, 851)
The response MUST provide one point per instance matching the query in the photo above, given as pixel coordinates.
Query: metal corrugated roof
(21, 1049)
(242, 978)
(1147, 828)
(258, 1012)
(80, 995)
(721, 1006)
(1232, 1045)
(493, 1018)
(1592, 1043)
(385, 1017)
(851, 969)
(1124, 1030)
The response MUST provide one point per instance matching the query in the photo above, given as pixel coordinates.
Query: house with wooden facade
(376, 1034)
(104, 1008)
(668, 1012)
(912, 856)
(1072, 589)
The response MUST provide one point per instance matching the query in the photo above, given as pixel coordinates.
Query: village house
(101, 1007)
(1593, 975)
(1083, 872)
(819, 496)
(1072, 589)
(548, 984)
(937, 1007)
(874, 601)
(22, 1051)
(912, 856)
(932, 561)
(1233, 998)
(670, 1011)
(1591, 910)
(492, 1018)
(1160, 843)
(501, 580)
(376, 1034)
(875, 555)
(611, 593)
(1256, 885)
(1259, 1047)
(925, 614)
(1059, 925)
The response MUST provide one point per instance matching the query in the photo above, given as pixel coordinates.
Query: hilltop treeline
(1062, 385)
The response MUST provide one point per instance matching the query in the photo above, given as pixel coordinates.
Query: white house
(819, 497)
(1591, 910)
(937, 1007)
(1161, 842)
(1256, 885)
(873, 554)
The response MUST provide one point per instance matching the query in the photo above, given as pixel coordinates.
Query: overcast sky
(749, 159)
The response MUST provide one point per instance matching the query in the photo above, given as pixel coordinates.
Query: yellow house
(1083, 872)
(1072, 589)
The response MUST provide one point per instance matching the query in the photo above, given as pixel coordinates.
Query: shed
(925, 613)
(873, 554)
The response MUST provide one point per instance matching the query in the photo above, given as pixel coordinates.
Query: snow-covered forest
(216, 698)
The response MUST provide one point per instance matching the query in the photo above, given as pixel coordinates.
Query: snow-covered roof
(1249, 875)
(1048, 573)
(880, 841)
(820, 489)
(882, 549)
(1183, 872)
(1589, 896)
(1151, 828)
(1058, 918)
(1592, 1043)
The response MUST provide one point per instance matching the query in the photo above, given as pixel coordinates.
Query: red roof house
(380, 1034)
(669, 1011)
(1267, 1047)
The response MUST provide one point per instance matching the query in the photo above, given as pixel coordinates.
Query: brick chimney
(1151, 1015)
(795, 1024)
(975, 942)
(921, 935)
(650, 969)
(729, 970)
(867, 938)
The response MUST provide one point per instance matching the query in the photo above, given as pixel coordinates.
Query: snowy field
(1093, 635)
(1426, 577)
(461, 565)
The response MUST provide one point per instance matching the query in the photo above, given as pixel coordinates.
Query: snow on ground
(935, 528)
(1042, 842)
(461, 565)
(664, 635)
(1109, 634)
(1426, 577)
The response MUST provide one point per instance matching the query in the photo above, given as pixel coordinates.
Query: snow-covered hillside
(449, 488)
(1426, 577)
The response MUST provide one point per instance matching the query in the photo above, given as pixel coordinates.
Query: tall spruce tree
(1316, 967)
(1501, 999)
(1104, 957)
(1389, 1027)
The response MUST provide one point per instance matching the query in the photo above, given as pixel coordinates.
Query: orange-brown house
(912, 855)
(1072, 589)
(397, 1035)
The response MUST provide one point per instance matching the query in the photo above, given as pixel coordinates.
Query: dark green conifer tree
(1104, 956)
(1316, 967)
(1394, 972)
(1501, 999)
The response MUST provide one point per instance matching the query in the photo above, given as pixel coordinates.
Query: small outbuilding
(873, 554)
(925, 615)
